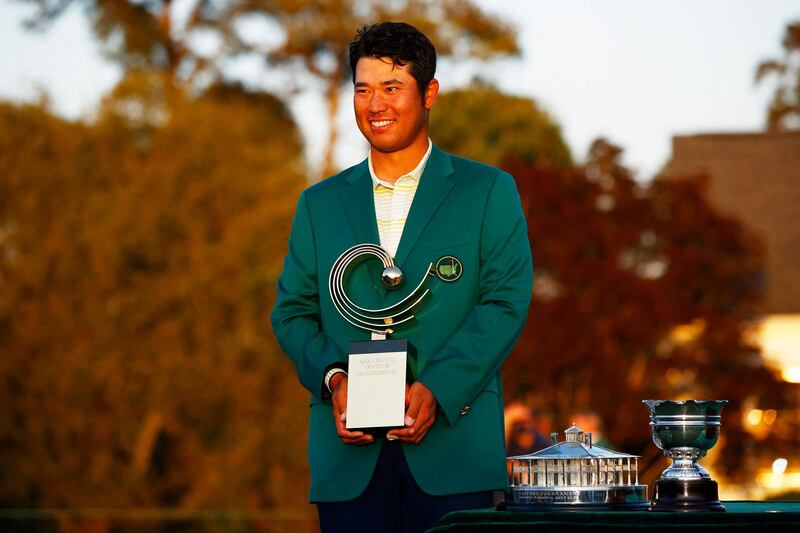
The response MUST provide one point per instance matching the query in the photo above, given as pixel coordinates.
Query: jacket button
(465, 410)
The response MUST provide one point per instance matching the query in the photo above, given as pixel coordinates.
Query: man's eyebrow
(393, 81)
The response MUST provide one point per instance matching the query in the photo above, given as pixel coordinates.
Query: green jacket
(463, 333)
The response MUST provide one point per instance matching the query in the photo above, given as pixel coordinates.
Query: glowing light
(778, 482)
(779, 337)
(791, 374)
(754, 416)
(769, 416)
(779, 465)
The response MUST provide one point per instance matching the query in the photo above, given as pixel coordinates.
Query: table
(740, 515)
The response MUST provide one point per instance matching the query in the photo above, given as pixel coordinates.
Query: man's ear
(430, 93)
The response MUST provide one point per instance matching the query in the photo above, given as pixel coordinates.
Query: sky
(636, 72)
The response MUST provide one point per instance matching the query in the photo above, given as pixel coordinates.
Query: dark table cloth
(740, 515)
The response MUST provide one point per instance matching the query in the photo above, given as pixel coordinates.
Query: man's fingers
(403, 434)
(340, 417)
(363, 439)
(426, 416)
(352, 437)
(422, 431)
(418, 396)
(347, 436)
(414, 403)
(339, 397)
(412, 434)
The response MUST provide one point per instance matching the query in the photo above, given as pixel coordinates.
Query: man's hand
(339, 399)
(420, 415)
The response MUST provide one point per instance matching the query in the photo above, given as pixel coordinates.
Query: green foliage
(138, 263)
(640, 291)
(484, 124)
(784, 109)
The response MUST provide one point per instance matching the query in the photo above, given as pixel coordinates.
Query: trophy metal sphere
(392, 277)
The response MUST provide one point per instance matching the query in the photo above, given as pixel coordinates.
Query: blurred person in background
(522, 432)
(421, 205)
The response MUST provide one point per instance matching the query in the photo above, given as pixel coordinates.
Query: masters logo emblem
(448, 268)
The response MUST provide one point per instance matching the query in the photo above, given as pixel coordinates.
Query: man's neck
(390, 166)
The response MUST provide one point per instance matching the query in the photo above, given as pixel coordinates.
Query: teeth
(380, 123)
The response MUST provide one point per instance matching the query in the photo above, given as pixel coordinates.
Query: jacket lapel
(434, 185)
(359, 204)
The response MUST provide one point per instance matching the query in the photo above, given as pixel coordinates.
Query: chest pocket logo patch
(448, 268)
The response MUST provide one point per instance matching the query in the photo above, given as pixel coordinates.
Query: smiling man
(423, 206)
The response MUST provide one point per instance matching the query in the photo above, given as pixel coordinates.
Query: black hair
(402, 43)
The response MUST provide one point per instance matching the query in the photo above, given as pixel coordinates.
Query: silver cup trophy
(685, 430)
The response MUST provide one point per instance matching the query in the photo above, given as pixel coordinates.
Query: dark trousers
(393, 502)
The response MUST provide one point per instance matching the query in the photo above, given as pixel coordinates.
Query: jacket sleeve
(464, 365)
(296, 315)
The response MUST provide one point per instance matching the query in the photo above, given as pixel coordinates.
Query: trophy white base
(376, 384)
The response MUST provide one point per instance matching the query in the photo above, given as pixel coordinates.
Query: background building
(754, 177)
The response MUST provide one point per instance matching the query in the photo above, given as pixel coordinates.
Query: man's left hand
(420, 415)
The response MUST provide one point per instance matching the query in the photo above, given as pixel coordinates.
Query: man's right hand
(339, 399)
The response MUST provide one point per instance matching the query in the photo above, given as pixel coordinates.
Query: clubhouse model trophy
(572, 475)
(685, 430)
(377, 369)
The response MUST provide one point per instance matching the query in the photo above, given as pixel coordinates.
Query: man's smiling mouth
(380, 123)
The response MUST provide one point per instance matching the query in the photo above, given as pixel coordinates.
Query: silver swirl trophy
(377, 369)
(685, 430)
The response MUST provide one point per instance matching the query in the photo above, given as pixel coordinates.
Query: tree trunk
(332, 101)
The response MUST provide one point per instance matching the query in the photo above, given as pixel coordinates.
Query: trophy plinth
(686, 495)
(685, 430)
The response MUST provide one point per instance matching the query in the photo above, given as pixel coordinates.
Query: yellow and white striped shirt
(393, 201)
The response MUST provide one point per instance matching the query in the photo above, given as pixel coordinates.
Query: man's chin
(385, 147)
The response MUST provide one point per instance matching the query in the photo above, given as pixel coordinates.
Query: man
(423, 206)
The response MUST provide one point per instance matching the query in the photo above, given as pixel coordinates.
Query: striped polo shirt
(393, 201)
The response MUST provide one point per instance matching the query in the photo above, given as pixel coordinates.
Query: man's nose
(377, 103)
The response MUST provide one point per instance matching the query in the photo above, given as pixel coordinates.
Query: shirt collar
(414, 174)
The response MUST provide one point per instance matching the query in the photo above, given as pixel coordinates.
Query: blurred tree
(640, 291)
(316, 35)
(138, 260)
(195, 43)
(136, 34)
(784, 109)
(484, 124)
